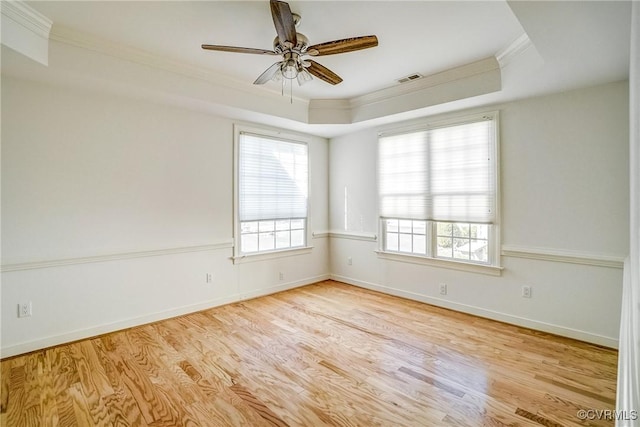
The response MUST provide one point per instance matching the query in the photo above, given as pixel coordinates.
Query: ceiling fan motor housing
(300, 47)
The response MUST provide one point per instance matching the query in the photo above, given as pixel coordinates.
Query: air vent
(409, 78)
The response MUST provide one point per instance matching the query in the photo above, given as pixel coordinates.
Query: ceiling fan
(293, 46)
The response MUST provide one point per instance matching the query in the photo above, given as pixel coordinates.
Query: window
(405, 235)
(272, 191)
(438, 190)
(468, 242)
(260, 236)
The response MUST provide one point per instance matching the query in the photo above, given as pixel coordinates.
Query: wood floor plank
(15, 410)
(66, 412)
(326, 354)
(5, 375)
(48, 403)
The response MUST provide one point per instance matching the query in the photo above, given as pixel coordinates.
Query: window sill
(491, 270)
(240, 259)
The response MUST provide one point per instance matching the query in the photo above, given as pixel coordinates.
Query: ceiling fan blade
(343, 46)
(283, 21)
(323, 73)
(268, 74)
(238, 49)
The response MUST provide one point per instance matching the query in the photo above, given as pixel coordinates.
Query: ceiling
(422, 37)
(542, 47)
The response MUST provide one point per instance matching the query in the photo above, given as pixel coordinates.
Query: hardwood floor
(324, 354)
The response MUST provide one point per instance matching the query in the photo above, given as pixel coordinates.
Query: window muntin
(405, 235)
(270, 235)
(272, 193)
(438, 191)
(462, 241)
(452, 240)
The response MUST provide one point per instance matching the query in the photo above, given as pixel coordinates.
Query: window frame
(493, 266)
(280, 135)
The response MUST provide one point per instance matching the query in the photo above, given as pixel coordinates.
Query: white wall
(114, 210)
(564, 178)
(628, 390)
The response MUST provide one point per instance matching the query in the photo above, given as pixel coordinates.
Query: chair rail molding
(563, 255)
(32, 265)
(352, 235)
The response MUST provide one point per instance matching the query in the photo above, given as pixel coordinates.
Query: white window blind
(441, 174)
(272, 178)
(462, 183)
(403, 177)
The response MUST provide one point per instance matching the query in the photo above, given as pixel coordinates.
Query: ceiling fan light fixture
(277, 77)
(289, 69)
(303, 76)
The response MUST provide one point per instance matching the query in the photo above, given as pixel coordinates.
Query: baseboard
(81, 334)
(489, 314)
(283, 287)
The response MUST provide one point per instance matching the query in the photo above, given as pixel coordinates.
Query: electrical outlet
(526, 292)
(209, 278)
(349, 261)
(443, 288)
(281, 275)
(25, 309)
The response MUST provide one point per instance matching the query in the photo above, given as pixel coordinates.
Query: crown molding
(28, 17)
(25, 30)
(333, 111)
(462, 82)
(171, 82)
(428, 82)
(100, 45)
(473, 79)
(509, 53)
(103, 46)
